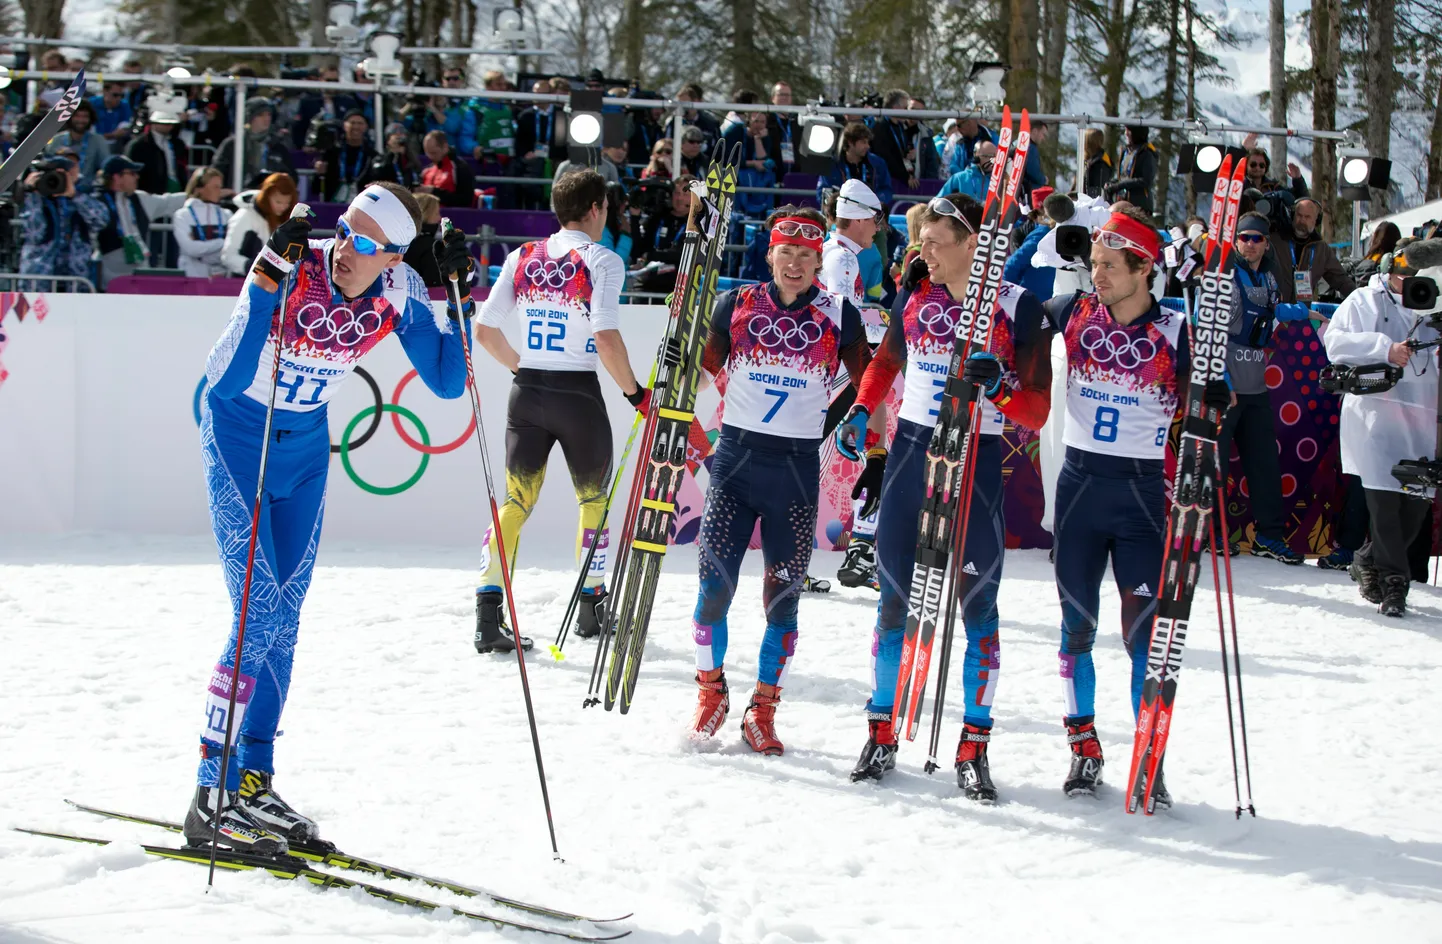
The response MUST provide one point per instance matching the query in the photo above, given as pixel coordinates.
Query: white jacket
(1379, 429)
(200, 234)
(247, 219)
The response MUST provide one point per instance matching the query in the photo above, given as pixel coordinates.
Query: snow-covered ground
(411, 749)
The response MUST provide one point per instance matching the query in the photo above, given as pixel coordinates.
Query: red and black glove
(641, 400)
(284, 249)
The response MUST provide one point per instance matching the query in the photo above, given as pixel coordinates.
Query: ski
(49, 126)
(664, 447)
(291, 868)
(941, 525)
(1194, 491)
(324, 853)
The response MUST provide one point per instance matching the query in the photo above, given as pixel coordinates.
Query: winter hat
(255, 106)
(1254, 223)
(856, 201)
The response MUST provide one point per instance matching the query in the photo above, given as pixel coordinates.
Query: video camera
(1419, 293)
(52, 182)
(651, 196)
(322, 134)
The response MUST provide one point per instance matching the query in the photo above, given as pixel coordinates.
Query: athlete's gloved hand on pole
(983, 369)
(641, 400)
(914, 273)
(453, 260)
(284, 249)
(851, 434)
(1217, 395)
(868, 483)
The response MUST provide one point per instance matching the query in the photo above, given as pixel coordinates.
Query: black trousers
(1250, 425)
(1393, 546)
(1352, 530)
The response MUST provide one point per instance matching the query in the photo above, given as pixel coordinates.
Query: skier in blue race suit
(348, 294)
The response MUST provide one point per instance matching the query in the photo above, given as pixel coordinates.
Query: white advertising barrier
(98, 431)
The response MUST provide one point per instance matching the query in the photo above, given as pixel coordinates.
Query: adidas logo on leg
(1142, 591)
(970, 568)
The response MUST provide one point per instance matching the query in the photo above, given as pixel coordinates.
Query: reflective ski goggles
(798, 229)
(363, 244)
(946, 208)
(1115, 240)
(872, 212)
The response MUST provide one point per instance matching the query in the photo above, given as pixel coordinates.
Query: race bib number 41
(217, 703)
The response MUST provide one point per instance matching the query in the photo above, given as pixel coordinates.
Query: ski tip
(557, 654)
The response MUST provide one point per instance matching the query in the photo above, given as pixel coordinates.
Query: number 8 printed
(1105, 428)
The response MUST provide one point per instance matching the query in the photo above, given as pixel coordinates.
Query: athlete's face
(948, 259)
(1114, 282)
(862, 231)
(793, 267)
(352, 272)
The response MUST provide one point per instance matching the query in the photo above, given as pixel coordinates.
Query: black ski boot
(858, 569)
(973, 772)
(238, 832)
(264, 806)
(592, 615)
(879, 754)
(1394, 595)
(1368, 583)
(1161, 799)
(492, 633)
(1085, 774)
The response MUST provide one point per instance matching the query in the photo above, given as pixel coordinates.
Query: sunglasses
(875, 211)
(1114, 240)
(793, 228)
(363, 244)
(1250, 237)
(946, 208)
(665, 151)
(451, 78)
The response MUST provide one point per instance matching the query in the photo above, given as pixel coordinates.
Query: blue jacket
(1040, 281)
(459, 126)
(873, 173)
(961, 157)
(972, 182)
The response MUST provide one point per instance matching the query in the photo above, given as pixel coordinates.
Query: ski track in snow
(412, 750)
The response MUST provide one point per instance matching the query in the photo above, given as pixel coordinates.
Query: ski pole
(1226, 670)
(453, 288)
(560, 643)
(278, 326)
(1237, 665)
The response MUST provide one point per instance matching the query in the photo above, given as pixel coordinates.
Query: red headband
(779, 238)
(1135, 232)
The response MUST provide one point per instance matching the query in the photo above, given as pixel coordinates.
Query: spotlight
(508, 24)
(342, 29)
(1201, 157)
(384, 45)
(1358, 173)
(178, 72)
(819, 137)
(585, 129)
(984, 83)
(4, 78)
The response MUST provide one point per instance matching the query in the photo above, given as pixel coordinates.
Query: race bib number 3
(217, 703)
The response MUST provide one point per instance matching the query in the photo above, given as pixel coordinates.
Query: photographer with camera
(1307, 267)
(266, 152)
(56, 223)
(319, 106)
(662, 229)
(124, 238)
(343, 165)
(1374, 327)
(398, 165)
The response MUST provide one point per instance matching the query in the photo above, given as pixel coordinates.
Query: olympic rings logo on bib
(1128, 353)
(340, 324)
(550, 273)
(939, 320)
(785, 331)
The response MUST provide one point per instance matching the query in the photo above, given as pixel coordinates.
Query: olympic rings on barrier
(425, 448)
(345, 450)
(365, 437)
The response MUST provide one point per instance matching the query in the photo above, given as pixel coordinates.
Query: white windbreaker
(1379, 429)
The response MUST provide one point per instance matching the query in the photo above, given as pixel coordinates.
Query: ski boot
(1275, 550)
(811, 584)
(879, 754)
(592, 615)
(259, 801)
(1369, 584)
(1085, 774)
(492, 633)
(713, 702)
(1161, 799)
(1339, 559)
(973, 772)
(858, 569)
(758, 724)
(1394, 595)
(238, 832)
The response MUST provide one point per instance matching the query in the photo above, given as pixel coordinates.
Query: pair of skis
(304, 857)
(1194, 494)
(951, 455)
(664, 441)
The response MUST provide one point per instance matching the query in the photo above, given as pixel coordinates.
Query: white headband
(390, 214)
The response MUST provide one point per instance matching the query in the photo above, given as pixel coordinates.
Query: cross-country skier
(781, 342)
(349, 293)
(1127, 365)
(1015, 376)
(857, 214)
(567, 290)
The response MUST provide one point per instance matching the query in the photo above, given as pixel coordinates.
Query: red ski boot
(758, 724)
(712, 703)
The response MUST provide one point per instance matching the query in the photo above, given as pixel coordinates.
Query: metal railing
(8, 281)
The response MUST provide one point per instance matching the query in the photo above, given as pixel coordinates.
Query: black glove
(914, 273)
(984, 370)
(670, 352)
(453, 257)
(282, 251)
(868, 483)
(1217, 395)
